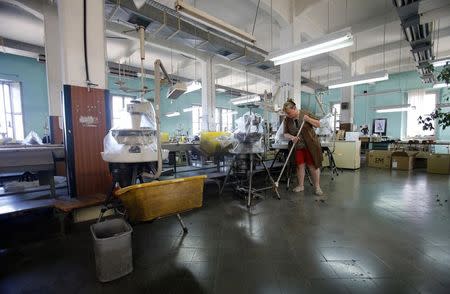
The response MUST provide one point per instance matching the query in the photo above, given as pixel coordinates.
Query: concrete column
(53, 60)
(70, 16)
(348, 96)
(290, 73)
(208, 95)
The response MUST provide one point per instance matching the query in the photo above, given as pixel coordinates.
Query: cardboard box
(439, 164)
(403, 160)
(380, 159)
(421, 159)
(423, 154)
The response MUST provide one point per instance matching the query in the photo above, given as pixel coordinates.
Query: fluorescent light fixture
(172, 114)
(200, 16)
(318, 46)
(189, 109)
(245, 99)
(440, 61)
(395, 108)
(440, 85)
(220, 90)
(361, 79)
(194, 86)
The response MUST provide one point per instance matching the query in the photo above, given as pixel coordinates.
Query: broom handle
(290, 152)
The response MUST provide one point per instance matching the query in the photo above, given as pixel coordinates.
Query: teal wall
(32, 76)
(396, 121)
(364, 112)
(309, 102)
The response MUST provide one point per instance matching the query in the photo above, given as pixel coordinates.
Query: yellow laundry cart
(157, 199)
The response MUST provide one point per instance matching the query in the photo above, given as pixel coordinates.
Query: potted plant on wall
(442, 117)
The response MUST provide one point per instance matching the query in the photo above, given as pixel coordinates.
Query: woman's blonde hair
(289, 104)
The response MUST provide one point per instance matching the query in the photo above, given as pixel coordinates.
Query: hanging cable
(384, 38)
(256, 15)
(400, 51)
(328, 54)
(437, 43)
(346, 13)
(86, 64)
(271, 30)
(356, 53)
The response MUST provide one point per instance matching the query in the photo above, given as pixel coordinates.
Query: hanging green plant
(442, 118)
(444, 75)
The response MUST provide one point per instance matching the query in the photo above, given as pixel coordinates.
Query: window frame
(220, 120)
(12, 112)
(197, 113)
(409, 119)
(338, 116)
(123, 105)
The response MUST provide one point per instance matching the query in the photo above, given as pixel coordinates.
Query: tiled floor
(379, 232)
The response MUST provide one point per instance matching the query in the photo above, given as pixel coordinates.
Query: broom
(289, 156)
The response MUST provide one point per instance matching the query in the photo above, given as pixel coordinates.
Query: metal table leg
(249, 200)
(52, 184)
(228, 175)
(270, 177)
(275, 159)
(185, 230)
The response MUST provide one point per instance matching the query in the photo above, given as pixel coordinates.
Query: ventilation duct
(419, 36)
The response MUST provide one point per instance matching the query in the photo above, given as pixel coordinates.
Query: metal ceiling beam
(30, 6)
(155, 11)
(148, 72)
(235, 91)
(13, 44)
(118, 29)
(378, 49)
(159, 13)
(255, 71)
(407, 62)
(312, 84)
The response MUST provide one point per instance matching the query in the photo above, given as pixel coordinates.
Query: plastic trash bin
(112, 247)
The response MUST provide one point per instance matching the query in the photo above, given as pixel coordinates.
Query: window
(196, 119)
(227, 120)
(224, 119)
(336, 107)
(119, 104)
(11, 118)
(424, 105)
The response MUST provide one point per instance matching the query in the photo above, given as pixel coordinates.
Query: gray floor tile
(367, 238)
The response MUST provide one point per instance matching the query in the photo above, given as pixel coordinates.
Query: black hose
(86, 64)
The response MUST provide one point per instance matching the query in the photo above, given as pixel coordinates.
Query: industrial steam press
(246, 153)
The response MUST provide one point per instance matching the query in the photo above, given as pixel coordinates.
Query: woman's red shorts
(303, 156)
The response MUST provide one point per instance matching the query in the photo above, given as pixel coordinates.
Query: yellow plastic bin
(157, 199)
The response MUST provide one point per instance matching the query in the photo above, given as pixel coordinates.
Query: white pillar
(70, 14)
(208, 95)
(348, 97)
(290, 73)
(53, 60)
